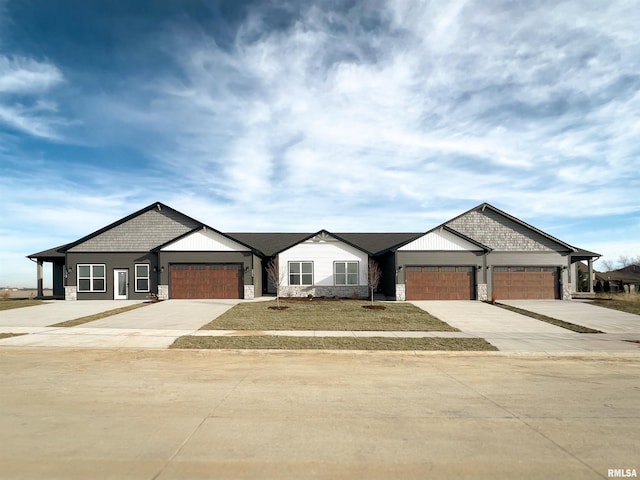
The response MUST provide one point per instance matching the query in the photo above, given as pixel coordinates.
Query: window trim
(346, 273)
(147, 277)
(91, 277)
(300, 274)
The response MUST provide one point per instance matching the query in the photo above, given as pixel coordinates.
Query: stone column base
(163, 292)
(400, 292)
(70, 292)
(566, 291)
(482, 292)
(249, 292)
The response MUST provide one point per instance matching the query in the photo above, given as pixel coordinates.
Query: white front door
(120, 284)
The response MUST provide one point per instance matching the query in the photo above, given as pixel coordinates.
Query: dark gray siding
(387, 265)
(257, 276)
(123, 260)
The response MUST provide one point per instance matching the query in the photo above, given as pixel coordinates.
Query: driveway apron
(153, 326)
(582, 313)
(57, 311)
(512, 332)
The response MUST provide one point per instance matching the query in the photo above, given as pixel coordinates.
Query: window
(142, 277)
(300, 273)
(91, 278)
(346, 273)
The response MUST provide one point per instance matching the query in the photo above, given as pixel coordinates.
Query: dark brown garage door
(206, 280)
(440, 283)
(521, 283)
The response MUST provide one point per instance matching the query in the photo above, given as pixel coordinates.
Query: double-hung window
(300, 273)
(346, 273)
(142, 277)
(92, 278)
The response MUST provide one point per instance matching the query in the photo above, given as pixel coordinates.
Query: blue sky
(296, 116)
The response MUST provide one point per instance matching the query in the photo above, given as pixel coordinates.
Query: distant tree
(373, 276)
(275, 277)
(607, 286)
(625, 261)
(607, 265)
(598, 287)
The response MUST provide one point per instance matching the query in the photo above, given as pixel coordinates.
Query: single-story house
(481, 254)
(623, 280)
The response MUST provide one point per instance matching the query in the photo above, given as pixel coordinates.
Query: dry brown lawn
(321, 314)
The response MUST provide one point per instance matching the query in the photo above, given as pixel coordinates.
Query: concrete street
(170, 414)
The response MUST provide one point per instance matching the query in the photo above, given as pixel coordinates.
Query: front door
(120, 284)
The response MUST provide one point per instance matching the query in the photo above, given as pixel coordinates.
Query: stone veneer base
(324, 291)
(249, 292)
(71, 292)
(163, 292)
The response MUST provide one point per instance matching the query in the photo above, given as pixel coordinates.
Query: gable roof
(323, 233)
(373, 243)
(452, 232)
(141, 231)
(545, 237)
(204, 228)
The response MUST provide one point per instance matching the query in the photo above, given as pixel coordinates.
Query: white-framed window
(300, 273)
(92, 277)
(142, 277)
(345, 273)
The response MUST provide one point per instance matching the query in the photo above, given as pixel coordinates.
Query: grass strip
(621, 305)
(9, 335)
(333, 343)
(319, 314)
(553, 321)
(98, 316)
(11, 304)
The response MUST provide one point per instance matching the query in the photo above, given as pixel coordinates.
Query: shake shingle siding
(500, 233)
(141, 233)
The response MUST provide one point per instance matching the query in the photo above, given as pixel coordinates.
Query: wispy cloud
(418, 94)
(384, 115)
(24, 106)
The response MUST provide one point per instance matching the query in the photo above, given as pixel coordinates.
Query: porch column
(40, 270)
(590, 264)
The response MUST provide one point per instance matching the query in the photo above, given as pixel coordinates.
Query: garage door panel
(525, 283)
(439, 283)
(206, 281)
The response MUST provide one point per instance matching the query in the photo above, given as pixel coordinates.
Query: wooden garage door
(206, 280)
(521, 283)
(440, 283)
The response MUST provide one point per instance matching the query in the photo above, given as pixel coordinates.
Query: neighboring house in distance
(481, 254)
(623, 280)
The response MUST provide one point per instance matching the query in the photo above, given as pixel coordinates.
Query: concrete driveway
(583, 313)
(56, 311)
(512, 332)
(153, 326)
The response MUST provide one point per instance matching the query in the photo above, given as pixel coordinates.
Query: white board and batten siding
(439, 240)
(323, 255)
(205, 241)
